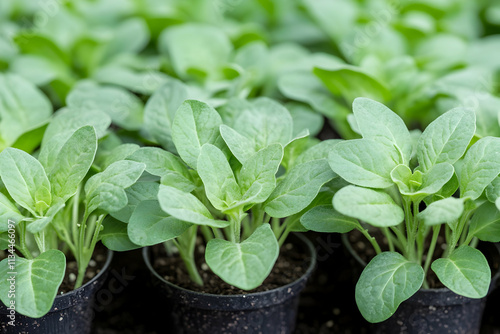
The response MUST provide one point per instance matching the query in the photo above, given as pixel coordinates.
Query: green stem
(186, 246)
(456, 235)
(40, 241)
(207, 233)
(430, 252)
(401, 239)
(22, 241)
(410, 246)
(389, 238)
(371, 239)
(289, 223)
(75, 215)
(86, 251)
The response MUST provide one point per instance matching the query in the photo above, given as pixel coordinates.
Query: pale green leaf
(185, 206)
(244, 265)
(465, 272)
(387, 281)
(372, 206)
(364, 162)
(298, 188)
(150, 225)
(326, 219)
(36, 280)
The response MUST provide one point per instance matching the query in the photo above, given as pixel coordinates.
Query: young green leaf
(447, 211)
(4, 241)
(352, 82)
(25, 179)
(150, 225)
(481, 166)
(364, 162)
(485, 224)
(299, 187)
(36, 282)
(244, 265)
(465, 272)
(387, 281)
(326, 219)
(376, 121)
(257, 177)
(240, 146)
(446, 138)
(195, 124)
(136, 193)
(121, 43)
(220, 184)
(39, 224)
(493, 190)
(8, 211)
(372, 206)
(115, 237)
(124, 108)
(160, 111)
(418, 185)
(168, 166)
(319, 151)
(23, 107)
(73, 162)
(106, 190)
(264, 122)
(185, 206)
(117, 153)
(63, 125)
(195, 49)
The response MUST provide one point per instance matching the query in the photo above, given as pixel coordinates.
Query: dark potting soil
(292, 263)
(95, 266)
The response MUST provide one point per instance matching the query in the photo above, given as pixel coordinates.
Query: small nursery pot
(71, 312)
(436, 310)
(268, 312)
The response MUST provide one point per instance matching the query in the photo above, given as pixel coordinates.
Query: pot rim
(303, 277)
(69, 299)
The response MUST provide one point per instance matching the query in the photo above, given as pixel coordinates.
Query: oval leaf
(465, 272)
(387, 281)
(326, 219)
(37, 282)
(244, 265)
(372, 206)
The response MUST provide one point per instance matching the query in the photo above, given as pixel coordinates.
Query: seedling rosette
(414, 186)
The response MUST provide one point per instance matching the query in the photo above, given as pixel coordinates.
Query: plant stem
(75, 215)
(207, 233)
(371, 239)
(410, 246)
(186, 246)
(389, 238)
(87, 251)
(401, 238)
(430, 252)
(22, 241)
(456, 235)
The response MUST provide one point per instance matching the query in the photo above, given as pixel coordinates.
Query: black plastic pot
(269, 312)
(439, 311)
(71, 313)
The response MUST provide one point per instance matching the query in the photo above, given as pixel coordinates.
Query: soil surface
(290, 266)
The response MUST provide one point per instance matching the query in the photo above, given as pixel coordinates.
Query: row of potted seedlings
(230, 185)
(205, 177)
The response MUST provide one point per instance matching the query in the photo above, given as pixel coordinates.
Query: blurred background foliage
(420, 57)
